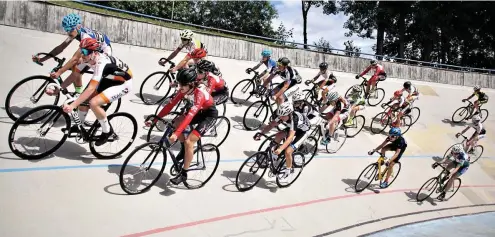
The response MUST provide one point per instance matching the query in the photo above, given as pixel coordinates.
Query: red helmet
(398, 93)
(198, 53)
(89, 44)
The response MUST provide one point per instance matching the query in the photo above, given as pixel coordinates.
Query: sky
(330, 27)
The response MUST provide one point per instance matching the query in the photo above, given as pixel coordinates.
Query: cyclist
(413, 93)
(482, 99)
(304, 107)
(72, 26)
(328, 81)
(202, 113)
(460, 165)
(398, 144)
(268, 61)
(111, 80)
(188, 43)
(290, 78)
(357, 102)
(479, 133)
(338, 113)
(191, 58)
(295, 133)
(402, 106)
(379, 74)
(216, 86)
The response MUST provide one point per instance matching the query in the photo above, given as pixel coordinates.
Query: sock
(105, 126)
(79, 89)
(82, 115)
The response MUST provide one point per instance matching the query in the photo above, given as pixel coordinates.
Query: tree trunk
(402, 33)
(305, 22)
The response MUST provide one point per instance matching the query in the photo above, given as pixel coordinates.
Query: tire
(155, 148)
(455, 188)
(53, 115)
(43, 81)
(245, 87)
(118, 103)
(462, 112)
(308, 150)
(479, 156)
(299, 165)
(484, 115)
(99, 154)
(395, 176)
(213, 132)
(433, 181)
(356, 125)
(266, 143)
(448, 150)
(380, 120)
(162, 79)
(204, 148)
(257, 158)
(380, 94)
(308, 96)
(257, 107)
(413, 114)
(222, 109)
(343, 136)
(373, 167)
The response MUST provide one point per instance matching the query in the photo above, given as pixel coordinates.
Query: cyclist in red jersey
(216, 85)
(379, 74)
(202, 113)
(191, 58)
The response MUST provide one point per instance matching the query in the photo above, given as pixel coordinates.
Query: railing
(341, 51)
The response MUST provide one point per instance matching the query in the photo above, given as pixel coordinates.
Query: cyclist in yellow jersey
(188, 43)
(482, 99)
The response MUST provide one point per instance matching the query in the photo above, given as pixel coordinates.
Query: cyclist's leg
(460, 172)
(333, 123)
(392, 162)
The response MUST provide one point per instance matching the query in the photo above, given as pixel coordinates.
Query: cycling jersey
(478, 128)
(192, 45)
(324, 75)
(412, 90)
(305, 109)
(356, 99)
(270, 64)
(214, 83)
(481, 96)
(112, 76)
(401, 100)
(200, 100)
(84, 33)
(339, 106)
(287, 75)
(378, 70)
(460, 158)
(297, 121)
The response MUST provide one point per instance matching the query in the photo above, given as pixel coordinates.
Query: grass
(79, 6)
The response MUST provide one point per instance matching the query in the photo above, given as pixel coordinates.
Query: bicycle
(266, 159)
(14, 112)
(478, 148)
(438, 181)
(466, 113)
(50, 119)
(311, 95)
(163, 146)
(321, 129)
(164, 76)
(388, 117)
(377, 93)
(376, 172)
(260, 106)
(251, 85)
(308, 148)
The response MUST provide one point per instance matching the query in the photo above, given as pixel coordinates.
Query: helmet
(323, 65)
(457, 148)
(266, 53)
(283, 61)
(476, 88)
(285, 109)
(206, 66)
(186, 76)
(70, 22)
(332, 77)
(186, 34)
(298, 96)
(198, 53)
(90, 44)
(394, 132)
(476, 119)
(373, 62)
(356, 89)
(407, 84)
(332, 95)
(397, 93)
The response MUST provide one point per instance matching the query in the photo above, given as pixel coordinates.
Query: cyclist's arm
(199, 101)
(93, 84)
(365, 71)
(182, 63)
(165, 110)
(71, 63)
(57, 50)
(316, 77)
(269, 79)
(173, 54)
(457, 167)
(470, 97)
(465, 129)
(257, 66)
(381, 145)
(289, 139)
(270, 126)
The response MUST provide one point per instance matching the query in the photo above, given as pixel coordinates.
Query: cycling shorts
(298, 139)
(221, 96)
(112, 90)
(204, 120)
(344, 114)
(393, 147)
(463, 169)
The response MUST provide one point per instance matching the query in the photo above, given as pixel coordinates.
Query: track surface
(73, 194)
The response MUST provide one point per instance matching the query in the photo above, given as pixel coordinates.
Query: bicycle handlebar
(373, 152)
(60, 61)
(249, 70)
(172, 64)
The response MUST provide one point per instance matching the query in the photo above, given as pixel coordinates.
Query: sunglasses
(184, 39)
(86, 52)
(393, 137)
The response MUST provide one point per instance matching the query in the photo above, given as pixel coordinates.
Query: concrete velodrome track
(74, 194)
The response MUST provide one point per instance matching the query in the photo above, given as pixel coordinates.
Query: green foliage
(323, 46)
(355, 51)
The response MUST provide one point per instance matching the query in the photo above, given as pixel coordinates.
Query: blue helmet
(70, 22)
(266, 53)
(394, 132)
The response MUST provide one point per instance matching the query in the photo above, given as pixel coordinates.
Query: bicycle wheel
(476, 153)
(376, 97)
(127, 180)
(158, 90)
(350, 89)
(393, 176)
(206, 156)
(460, 114)
(298, 162)
(308, 96)
(453, 190)
(429, 189)
(113, 108)
(266, 142)
(335, 144)
(32, 89)
(222, 108)
(218, 133)
(46, 127)
(309, 149)
(370, 170)
(253, 165)
(260, 113)
(406, 123)
(382, 120)
(484, 115)
(448, 150)
(415, 112)
(356, 127)
(243, 92)
(119, 141)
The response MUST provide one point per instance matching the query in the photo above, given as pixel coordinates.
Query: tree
(323, 46)
(283, 35)
(353, 51)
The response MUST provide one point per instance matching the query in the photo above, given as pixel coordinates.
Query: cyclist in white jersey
(328, 81)
(189, 44)
(459, 165)
(290, 79)
(413, 93)
(479, 133)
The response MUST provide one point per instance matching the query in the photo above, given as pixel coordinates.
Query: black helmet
(284, 61)
(373, 62)
(186, 76)
(323, 65)
(407, 84)
(206, 66)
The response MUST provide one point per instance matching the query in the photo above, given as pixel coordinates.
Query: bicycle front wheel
(203, 166)
(241, 92)
(428, 188)
(298, 162)
(255, 115)
(253, 164)
(138, 177)
(368, 173)
(155, 88)
(460, 114)
(379, 123)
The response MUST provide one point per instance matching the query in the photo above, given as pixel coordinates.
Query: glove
(256, 137)
(384, 105)
(357, 76)
(307, 82)
(457, 135)
(464, 100)
(371, 152)
(434, 165)
(248, 70)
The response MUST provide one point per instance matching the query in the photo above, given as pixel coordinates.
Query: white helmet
(356, 89)
(298, 96)
(476, 119)
(457, 148)
(186, 34)
(285, 109)
(332, 95)
(476, 88)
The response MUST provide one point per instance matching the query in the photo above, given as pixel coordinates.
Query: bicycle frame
(166, 75)
(269, 152)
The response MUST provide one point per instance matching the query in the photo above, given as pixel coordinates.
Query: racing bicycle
(474, 153)
(467, 112)
(247, 88)
(158, 91)
(260, 109)
(375, 96)
(436, 184)
(308, 148)
(388, 118)
(373, 172)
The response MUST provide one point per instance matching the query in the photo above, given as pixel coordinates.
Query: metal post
(173, 6)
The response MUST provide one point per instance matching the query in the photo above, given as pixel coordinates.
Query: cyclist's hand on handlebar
(37, 60)
(248, 70)
(457, 135)
(384, 105)
(307, 82)
(162, 62)
(357, 76)
(463, 100)
(148, 123)
(55, 75)
(434, 165)
(371, 152)
(257, 137)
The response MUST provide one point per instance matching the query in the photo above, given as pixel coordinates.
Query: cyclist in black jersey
(482, 99)
(295, 133)
(304, 107)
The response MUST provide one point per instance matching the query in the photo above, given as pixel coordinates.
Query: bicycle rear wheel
(476, 153)
(429, 187)
(218, 133)
(309, 149)
(376, 97)
(335, 145)
(484, 115)
(406, 123)
(156, 89)
(453, 190)
(129, 169)
(379, 123)
(260, 112)
(415, 113)
(356, 127)
(368, 172)
(155, 132)
(298, 162)
(393, 176)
